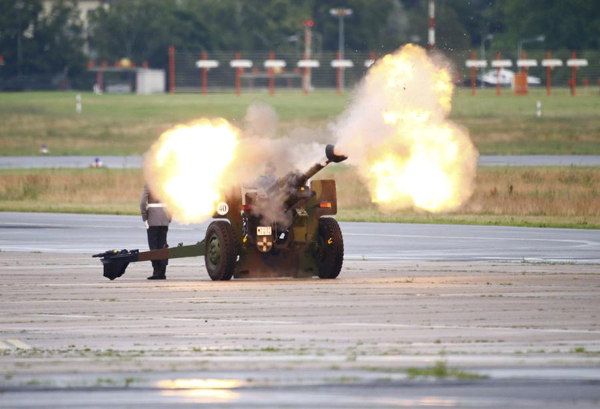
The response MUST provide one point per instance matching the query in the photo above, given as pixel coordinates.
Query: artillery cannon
(277, 232)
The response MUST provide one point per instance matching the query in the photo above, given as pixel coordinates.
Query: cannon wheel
(330, 254)
(221, 251)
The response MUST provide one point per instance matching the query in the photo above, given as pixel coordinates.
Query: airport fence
(185, 75)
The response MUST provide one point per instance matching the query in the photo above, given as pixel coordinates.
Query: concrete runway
(29, 162)
(75, 233)
(421, 315)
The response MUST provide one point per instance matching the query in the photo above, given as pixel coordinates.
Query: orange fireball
(397, 134)
(186, 167)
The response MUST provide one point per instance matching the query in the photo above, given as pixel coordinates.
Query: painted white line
(137, 317)
(85, 226)
(581, 243)
(18, 343)
(468, 327)
(230, 321)
(68, 316)
(55, 267)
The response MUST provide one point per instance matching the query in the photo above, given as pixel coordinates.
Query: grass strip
(565, 197)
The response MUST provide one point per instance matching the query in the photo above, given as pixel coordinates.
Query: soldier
(156, 219)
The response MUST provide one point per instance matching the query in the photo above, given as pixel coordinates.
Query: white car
(506, 77)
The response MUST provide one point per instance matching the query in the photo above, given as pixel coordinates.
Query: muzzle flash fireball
(244, 240)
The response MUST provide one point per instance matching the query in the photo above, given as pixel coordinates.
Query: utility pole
(19, 6)
(341, 13)
(537, 39)
(308, 25)
(488, 37)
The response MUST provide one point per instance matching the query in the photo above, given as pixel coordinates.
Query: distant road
(30, 162)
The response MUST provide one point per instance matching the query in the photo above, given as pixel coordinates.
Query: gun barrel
(330, 156)
(292, 182)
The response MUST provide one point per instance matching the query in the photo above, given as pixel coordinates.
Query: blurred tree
(48, 42)
(51, 41)
(372, 26)
(59, 41)
(135, 29)
(239, 25)
(573, 24)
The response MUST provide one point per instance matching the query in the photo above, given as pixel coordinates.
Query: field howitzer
(278, 232)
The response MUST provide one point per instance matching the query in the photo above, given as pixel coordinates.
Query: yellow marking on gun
(330, 240)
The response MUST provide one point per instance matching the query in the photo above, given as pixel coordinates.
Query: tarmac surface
(83, 233)
(421, 315)
(31, 162)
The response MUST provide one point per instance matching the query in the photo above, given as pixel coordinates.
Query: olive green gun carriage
(294, 240)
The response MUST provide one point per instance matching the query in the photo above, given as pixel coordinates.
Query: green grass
(128, 124)
(540, 196)
(441, 370)
(508, 125)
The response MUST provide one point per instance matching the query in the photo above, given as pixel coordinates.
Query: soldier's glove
(146, 224)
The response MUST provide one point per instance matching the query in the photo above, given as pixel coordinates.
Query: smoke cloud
(395, 131)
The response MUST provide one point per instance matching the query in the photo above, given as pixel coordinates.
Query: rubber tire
(226, 266)
(331, 259)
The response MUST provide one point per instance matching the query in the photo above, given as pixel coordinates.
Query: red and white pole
(271, 75)
(306, 78)
(99, 78)
(573, 76)
(171, 69)
(473, 75)
(204, 76)
(498, 75)
(238, 79)
(431, 32)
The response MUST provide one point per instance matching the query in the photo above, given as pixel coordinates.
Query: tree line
(57, 41)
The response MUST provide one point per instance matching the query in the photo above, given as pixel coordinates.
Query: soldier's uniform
(157, 221)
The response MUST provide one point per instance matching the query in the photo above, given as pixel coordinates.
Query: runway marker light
(552, 62)
(207, 64)
(526, 63)
(309, 63)
(339, 63)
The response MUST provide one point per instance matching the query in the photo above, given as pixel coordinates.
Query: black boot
(158, 274)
